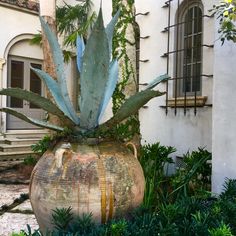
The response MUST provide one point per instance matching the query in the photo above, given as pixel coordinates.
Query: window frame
(27, 62)
(180, 48)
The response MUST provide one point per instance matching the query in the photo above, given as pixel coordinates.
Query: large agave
(103, 178)
(99, 75)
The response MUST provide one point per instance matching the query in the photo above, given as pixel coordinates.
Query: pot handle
(134, 149)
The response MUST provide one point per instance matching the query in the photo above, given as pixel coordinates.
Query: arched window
(189, 49)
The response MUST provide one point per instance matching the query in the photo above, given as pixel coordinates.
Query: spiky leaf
(80, 51)
(55, 91)
(94, 75)
(30, 120)
(156, 81)
(59, 66)
(110, 30)
(37, 100)
(110, 86)
(131, 106)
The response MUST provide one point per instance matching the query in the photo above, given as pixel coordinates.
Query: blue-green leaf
(31, 120)
(131, 106)
(59, 66)
(37, 100)
(80, 51)
(156, 81)
(110, 29)
(95, 72)
(110, 86)
(55, 91)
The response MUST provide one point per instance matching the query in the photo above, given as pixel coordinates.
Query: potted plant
(85, 169)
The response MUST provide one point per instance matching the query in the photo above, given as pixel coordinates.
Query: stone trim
(2, 62)
(22, 5)
(188, 101)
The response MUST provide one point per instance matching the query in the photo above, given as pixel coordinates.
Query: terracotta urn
(104, 179)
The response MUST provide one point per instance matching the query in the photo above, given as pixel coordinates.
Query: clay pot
(104, 179)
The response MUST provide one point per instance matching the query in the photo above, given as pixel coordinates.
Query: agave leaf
(53, 87)
(110, 86)
(110, 29)
(80, 51)
(31, 120)
(36, 99)
(156, 81)
(95, 72)
(131, 106)
(59, 64)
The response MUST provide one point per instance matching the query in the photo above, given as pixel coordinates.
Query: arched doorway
(21, 57)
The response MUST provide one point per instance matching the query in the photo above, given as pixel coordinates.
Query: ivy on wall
(130, 128)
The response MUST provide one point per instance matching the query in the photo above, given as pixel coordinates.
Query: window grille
(187, 55)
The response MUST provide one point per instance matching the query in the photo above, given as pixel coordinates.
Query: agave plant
(98, 76)
(103, 178)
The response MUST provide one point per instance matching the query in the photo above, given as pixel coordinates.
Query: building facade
(177, 37)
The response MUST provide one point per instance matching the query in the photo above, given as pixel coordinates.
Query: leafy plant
(155, 159)
(99, 75)
(30, 160)
(195, 216)
(222, 230)
(195, 177)
(74, 20)
(42, 145)
(226, 13)
(61, 218)
(71, 21)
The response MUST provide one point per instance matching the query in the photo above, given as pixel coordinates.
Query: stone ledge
(200, 101)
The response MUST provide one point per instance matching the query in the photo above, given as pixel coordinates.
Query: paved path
(17, 218)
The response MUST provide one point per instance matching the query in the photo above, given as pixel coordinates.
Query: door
(21, 76)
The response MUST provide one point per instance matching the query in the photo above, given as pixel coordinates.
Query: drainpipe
(2, 62)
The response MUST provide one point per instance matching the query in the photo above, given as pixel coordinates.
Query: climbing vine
(130, 127)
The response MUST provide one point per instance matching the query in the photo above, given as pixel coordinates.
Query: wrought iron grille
(187, 54)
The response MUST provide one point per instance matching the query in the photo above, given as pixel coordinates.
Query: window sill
(199, 101)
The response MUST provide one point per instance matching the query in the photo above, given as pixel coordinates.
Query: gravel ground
(14, 222)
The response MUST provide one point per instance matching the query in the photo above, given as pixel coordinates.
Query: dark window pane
(17, 81)
(197, 54)
(35, 83)
(196, 77)
(188, 50)
(197, 20)
(188, 22)
(186, 79)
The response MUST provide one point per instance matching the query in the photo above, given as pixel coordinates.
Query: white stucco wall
(224, 114)
(15, 23)
(16, 26)
(183, 132)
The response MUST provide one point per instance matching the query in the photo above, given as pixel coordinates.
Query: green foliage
(18, 234)
(74, 20)
(30, 160)
(71, 21)
(186, 216)
(42, 145)
(226, 13)
(155, 159)
(222, 230)
(61, 218)
(119, 50)
(194, 178)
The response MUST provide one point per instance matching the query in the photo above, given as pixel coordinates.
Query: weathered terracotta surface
(105, 179)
